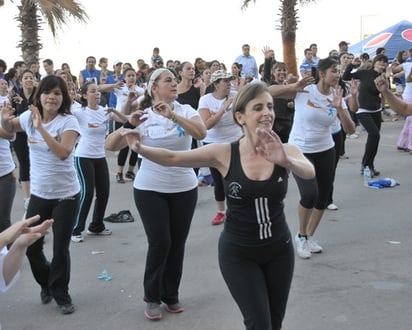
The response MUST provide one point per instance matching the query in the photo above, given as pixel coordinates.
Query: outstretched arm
(289, 91)
(212, 155)
(22, 236)
(394, 102)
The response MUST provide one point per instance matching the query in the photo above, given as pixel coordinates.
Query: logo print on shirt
(330, 110)
(263, 218)
(234, 189)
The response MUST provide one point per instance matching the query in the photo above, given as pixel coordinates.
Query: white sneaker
(77, 238)
(332, 207)
(104, 232)
(314, 246)
(302, 247)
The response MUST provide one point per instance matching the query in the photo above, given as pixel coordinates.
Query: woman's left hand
(35, 116)
(337, 93)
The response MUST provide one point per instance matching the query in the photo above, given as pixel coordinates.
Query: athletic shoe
(66, 308)
(219, 218)
(77, 238)
(332, 207)
(104, 232)
(119, 178)
(152, 311)
(129, 175)
(45, 296)
(302, 247)
(314, 246)
(175, 308)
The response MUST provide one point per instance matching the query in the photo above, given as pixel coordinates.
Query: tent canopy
(395, 38)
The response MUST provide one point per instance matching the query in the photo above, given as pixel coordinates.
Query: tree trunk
(288, 26)
(29, 25)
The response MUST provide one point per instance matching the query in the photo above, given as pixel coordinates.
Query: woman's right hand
(138, 117)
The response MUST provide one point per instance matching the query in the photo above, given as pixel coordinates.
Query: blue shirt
(249, 66)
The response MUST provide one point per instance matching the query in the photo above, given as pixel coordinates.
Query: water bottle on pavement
(366, 176)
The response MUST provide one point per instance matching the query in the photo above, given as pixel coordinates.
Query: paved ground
(362, 281)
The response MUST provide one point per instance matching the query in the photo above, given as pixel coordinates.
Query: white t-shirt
(158, 131)
(407, 92)
(313, 121)
(6, 159)
(123, 93)
(50, 177)
(93, 126)
(226, 129)
(3, 99)
(3, 286)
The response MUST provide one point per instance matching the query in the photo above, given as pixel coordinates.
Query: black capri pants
(314, 193)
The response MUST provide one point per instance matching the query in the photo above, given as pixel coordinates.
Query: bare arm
(116, 141)
(352, 100)
(63, 148)
(395, 102)
(212, 155)
(22, 236)
(118, 116)
(211, 118)
(289, 91)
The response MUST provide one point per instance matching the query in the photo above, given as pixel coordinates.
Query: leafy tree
(288, 26)
(33, 13)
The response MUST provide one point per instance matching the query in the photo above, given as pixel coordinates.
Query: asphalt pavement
(362, 280)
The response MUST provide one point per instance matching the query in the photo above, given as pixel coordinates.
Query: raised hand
(35, 116)
(271, 147)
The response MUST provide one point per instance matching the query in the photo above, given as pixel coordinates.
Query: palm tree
(33, 13)
(288, 26)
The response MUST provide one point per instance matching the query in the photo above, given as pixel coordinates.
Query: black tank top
(255, 209)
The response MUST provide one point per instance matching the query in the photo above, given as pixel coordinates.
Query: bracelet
(127, 124)
(173, 117)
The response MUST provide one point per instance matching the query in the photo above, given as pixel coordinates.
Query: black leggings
(122, 156)
(372, 123)
(315, 192)
(339, 143)
(166, 219)
(259, 280)
(22, 152)
(93, 174)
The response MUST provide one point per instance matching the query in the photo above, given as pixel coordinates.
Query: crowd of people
(249, 126)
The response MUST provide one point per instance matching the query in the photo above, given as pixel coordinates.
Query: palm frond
(58, 13)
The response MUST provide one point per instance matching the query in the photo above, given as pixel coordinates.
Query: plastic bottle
(366, 176)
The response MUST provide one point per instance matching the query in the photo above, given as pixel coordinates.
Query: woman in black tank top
(256, 255)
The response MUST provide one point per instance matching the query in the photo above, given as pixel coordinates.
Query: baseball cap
(220, 74)
(117, 62)
(344, 43)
